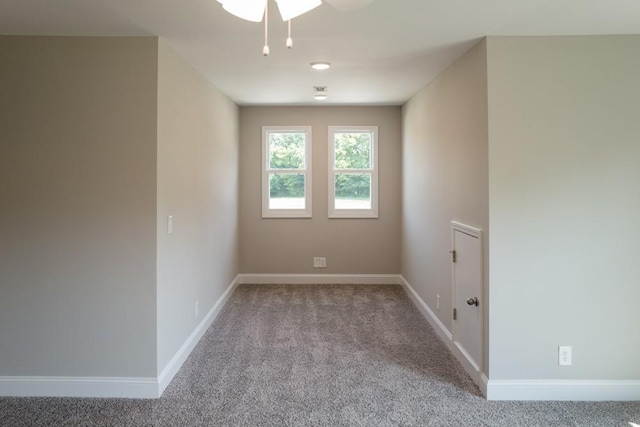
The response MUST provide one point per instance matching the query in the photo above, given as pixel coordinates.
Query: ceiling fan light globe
(290, 9)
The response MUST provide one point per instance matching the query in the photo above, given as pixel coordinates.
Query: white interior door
(467, 295)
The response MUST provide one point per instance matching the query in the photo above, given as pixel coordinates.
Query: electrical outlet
(319, 262)
(564, 355)
(437, 302)
(197, 311)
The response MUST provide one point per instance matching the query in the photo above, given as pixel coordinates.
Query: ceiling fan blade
(290, 9)
(251, 10)
(348, 5)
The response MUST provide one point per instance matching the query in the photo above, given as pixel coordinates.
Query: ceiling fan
(255, 10)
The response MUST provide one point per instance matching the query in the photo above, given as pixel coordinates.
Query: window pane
(352, 150)
(353, 191)
(286, 150)
(286, 191)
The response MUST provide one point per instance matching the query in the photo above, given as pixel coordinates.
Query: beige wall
(351, 246)
(564, 143)
(77, 210)
(197, 184)
(445, 175)
(559, 171)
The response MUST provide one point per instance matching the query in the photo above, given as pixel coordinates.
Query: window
(286, 172)
(353, 172)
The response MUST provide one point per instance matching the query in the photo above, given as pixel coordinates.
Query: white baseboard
(174, 365)
(562, 390)
(474, 371)
(565, 390)
(132, 388)
(428, 314)
(320, 279)
(484, 381)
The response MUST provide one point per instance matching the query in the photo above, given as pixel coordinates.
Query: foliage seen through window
(352, 152)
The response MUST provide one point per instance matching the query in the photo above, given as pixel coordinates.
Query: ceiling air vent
(320, 92)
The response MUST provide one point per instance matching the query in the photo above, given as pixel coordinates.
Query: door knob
(473, 301)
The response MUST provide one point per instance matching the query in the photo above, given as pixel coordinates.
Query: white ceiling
(381, 54)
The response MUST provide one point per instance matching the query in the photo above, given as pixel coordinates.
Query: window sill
(276, 215)
(353, 215)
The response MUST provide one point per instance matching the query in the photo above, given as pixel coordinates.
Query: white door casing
(466, 246)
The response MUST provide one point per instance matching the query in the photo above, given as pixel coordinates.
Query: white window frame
(286, 213)
(373, 171)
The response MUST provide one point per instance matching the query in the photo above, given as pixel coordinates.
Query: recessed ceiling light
(320, 65)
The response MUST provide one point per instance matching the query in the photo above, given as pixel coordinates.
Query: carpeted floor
(287, 355)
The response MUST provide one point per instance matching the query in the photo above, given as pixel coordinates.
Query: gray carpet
(327, 355)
